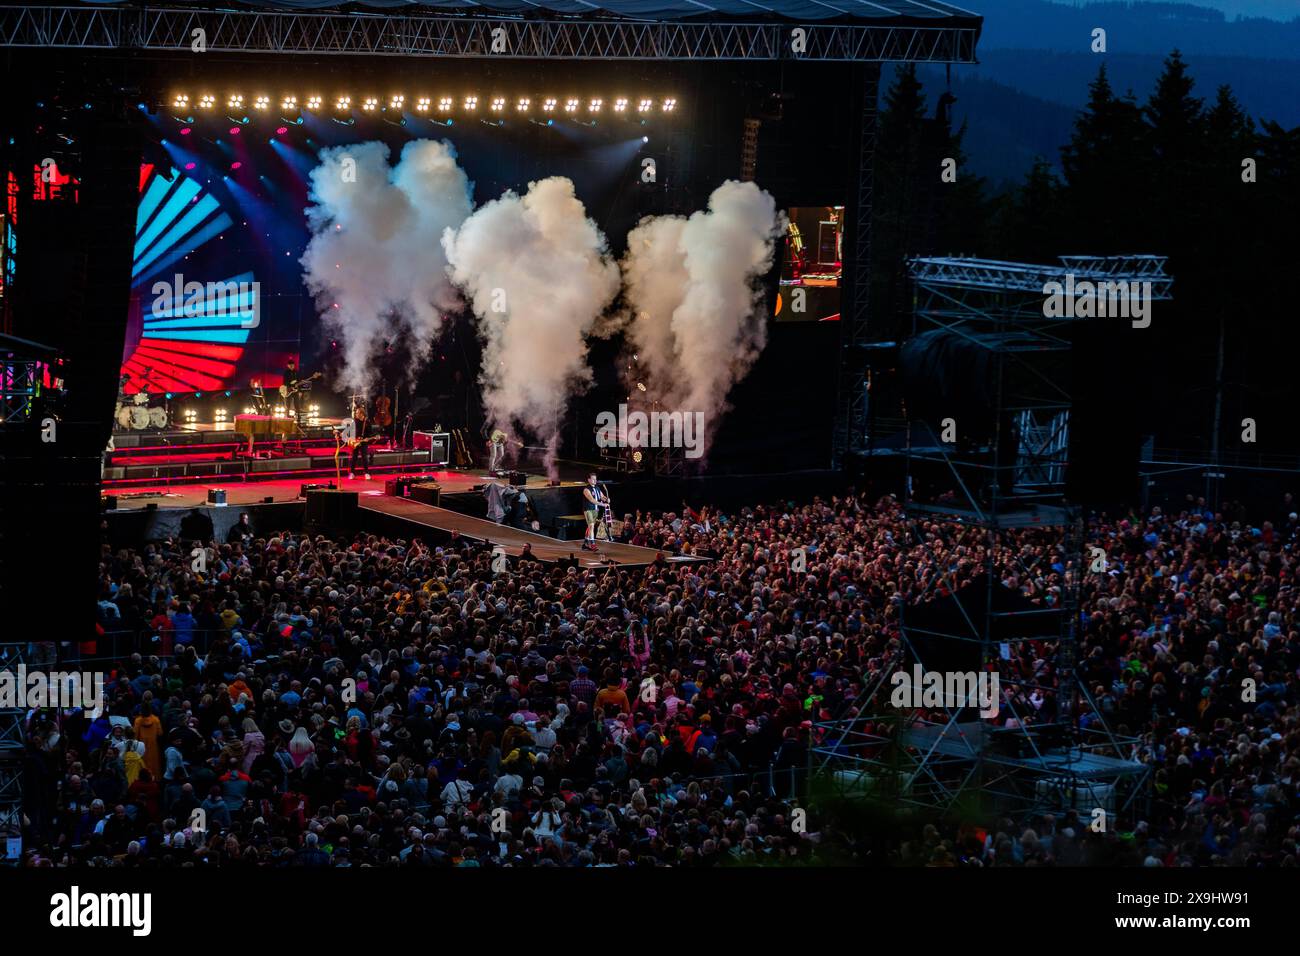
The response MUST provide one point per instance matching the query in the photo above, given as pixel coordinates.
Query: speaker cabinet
(331, 511)
(427, 493)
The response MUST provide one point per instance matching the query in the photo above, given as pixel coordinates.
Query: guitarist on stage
(291, 379)
(358, 437)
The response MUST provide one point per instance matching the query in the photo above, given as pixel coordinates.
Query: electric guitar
(298, 386)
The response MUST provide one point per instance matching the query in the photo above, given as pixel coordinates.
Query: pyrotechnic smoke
(374, 262)
(696, 322)
(538, 275)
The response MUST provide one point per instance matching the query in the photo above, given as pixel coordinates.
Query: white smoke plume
(696, 321)
(374, 262)
(538, 275)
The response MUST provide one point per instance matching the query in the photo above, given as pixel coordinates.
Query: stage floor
(240, 493)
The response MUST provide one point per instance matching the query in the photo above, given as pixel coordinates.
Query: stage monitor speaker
(518, 479)
(400, 486)
(427, 493)
(331, 511)
(217, 497)
(109, 502)
(314, 486)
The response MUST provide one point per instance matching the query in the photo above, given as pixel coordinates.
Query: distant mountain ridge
(1035, 66)
(1154, 28)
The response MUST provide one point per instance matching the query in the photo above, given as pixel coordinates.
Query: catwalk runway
(512, 539)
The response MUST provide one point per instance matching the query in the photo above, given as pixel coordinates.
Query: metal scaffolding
(591, 37)
(13, 748)
(1007, 478)
(851, 414)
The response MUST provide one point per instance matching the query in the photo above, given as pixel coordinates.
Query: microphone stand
(606, 513)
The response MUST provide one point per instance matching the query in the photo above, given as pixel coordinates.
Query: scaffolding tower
(13, 749)
(1051, 749)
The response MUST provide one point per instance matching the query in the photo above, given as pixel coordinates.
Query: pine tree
(899, 174)
(1106, 167)
(1029, 219)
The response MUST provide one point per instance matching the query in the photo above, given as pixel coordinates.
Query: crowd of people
(303, 701)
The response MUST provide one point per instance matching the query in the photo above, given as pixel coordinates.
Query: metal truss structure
(1001, 307)
(20, 383)
(475, 35)
(12, 750)
(850, 430)
(991, 275)
(941, 757)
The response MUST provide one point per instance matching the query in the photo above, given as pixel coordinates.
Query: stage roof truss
(942, 38)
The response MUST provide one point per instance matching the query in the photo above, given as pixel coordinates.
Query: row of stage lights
(643, 105)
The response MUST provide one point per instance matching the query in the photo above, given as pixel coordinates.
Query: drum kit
(134, 412)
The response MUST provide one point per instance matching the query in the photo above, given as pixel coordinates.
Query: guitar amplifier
(426, 492)
(437, 444)
(400, 486)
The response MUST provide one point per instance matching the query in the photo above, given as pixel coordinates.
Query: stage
(276, 505)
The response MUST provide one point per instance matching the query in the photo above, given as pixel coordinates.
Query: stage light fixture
(181, 101)
(670, 105)
(185, 131)
(395, 102)
(189, 166)
(234, 131)
(280, 131)
(594, 105)
(571, 105)
(370, 104)
(289, 103)
(498, 104)
(643, 106)
(645, 139)
(235, 101)
(471, 102)
(207, 101)
(620, 105)
(444, 104)
(262, 103)
(313, 102)
(422, 105)
(548, 104)
(343, 103)
(523, 104)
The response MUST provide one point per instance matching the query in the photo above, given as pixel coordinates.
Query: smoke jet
(695, 319)
(374, 262)
(538, 275)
